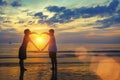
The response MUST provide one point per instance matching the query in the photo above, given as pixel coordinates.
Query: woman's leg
(52, 61)
(21, 63)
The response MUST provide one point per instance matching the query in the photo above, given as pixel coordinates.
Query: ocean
(67, 53)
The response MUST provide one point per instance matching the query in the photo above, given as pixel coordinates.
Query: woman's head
(27, 31)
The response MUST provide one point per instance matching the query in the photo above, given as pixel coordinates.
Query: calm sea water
(69, 53)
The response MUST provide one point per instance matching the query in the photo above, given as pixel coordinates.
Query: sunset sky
(74, 21)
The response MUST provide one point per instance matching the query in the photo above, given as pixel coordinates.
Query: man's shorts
(52, 54)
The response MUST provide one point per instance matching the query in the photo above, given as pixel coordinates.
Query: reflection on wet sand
(21, 77)
(54, 75)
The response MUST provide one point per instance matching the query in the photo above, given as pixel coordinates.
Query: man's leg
(55, 63)
(55, 70)
(52, 61)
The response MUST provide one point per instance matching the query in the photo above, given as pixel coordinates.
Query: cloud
(9, 35)
(8, 30)
(2, 13)
(55, 9)
(16, 3)
(41, 16)
(3, 3)
(80, 37)
(4, 20)
(15, 38)
(113, 20)
(65, 15)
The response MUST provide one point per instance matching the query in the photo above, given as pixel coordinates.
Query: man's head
(51, 31)
(27, 31)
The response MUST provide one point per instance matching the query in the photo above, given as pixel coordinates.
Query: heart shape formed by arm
(39, 41)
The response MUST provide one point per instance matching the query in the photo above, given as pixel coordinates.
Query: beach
(43, 72)
(107, 69)
(72, 65)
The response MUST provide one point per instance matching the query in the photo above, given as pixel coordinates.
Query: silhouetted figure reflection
(54, 75)
(21, 77)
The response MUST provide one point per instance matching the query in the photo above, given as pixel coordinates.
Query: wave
(68, 55)
(70, 51)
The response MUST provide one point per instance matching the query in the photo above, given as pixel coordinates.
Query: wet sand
(96, 68)
(43, 72)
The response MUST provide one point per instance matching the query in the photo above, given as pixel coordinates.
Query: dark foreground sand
(97, 68)
(43, 72)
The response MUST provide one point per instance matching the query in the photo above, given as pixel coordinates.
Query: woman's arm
(35, 45)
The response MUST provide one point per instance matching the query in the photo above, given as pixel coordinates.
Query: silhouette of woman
(22, 50)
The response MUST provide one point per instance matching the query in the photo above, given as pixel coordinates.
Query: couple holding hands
(52, 48)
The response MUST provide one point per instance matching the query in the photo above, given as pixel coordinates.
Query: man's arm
(47, 42)
(46, 33)
(35, 46)
(45, 46)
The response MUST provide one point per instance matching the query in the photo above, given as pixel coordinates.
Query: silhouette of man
(22, 50)
(52, 48)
